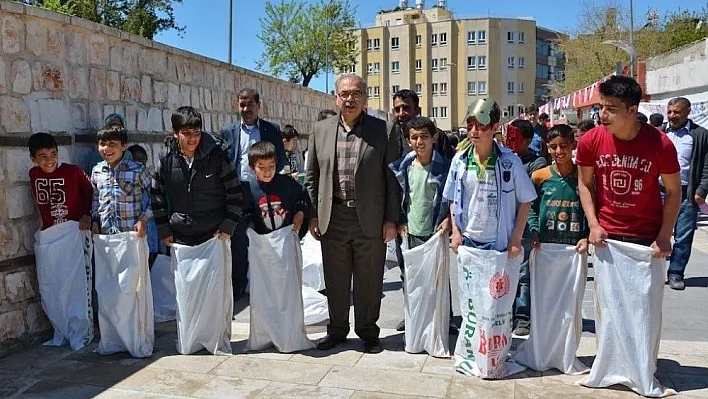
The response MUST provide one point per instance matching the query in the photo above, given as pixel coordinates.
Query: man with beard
(691, 142)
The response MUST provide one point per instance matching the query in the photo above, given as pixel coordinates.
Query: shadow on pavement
(696, 282)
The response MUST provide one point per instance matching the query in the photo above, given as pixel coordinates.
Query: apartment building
(449, 62)
(550, 64)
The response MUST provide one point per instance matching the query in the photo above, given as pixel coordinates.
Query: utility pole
(632, 57)
(231, 27)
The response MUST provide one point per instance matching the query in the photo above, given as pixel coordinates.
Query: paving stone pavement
(46, 372)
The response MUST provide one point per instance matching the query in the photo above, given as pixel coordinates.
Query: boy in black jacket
(196, 176)
(273, 201)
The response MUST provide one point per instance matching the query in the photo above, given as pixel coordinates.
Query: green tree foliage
(142, 17)
(302, 40)
(588, 60)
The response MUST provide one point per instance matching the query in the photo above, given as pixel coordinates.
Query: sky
(207, 21)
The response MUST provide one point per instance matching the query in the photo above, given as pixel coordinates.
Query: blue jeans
(477, 245)
(683, 235)
(522, 303)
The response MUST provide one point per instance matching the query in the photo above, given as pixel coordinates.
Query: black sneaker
(676, 282)
(401, 326)
(522, 331)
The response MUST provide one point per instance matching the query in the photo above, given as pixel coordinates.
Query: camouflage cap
(480, 109)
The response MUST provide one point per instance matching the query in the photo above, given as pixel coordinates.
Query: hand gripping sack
(558, 275)
(277, 319)
(629, 291)
(204, 296)
(427, 297)
(63, 255)
(488, 281)
(125, 314)
(164, 297)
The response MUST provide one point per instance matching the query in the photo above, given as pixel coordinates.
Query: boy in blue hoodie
(421, 174)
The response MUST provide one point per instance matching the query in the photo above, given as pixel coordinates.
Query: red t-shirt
(62, 195)
(628, 198)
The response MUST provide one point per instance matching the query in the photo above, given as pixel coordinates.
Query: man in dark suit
(239, 137)
(356, 201)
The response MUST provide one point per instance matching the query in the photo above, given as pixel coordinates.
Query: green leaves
(303, 40)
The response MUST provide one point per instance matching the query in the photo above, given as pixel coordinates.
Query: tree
(142, 17)
(588, 60)
(303, 40)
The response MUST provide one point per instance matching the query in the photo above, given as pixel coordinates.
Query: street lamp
(627, 46)
(231, 26)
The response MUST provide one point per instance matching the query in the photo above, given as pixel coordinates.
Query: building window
(418, 65)
(394, 43)
(522, 63)
(522, 37)
(542, 72)
(482, 87)
(510, 37)
(434, 89)
(510, 87)
(443, 64)
(471, 88)
(395, 89)
(377, 92)
(387, 22)
(419, 89)
(434, 112)
(434, 39)
(443, 112)
(399, 21)
(482, 37)
(418, 40)
(471, 63)
(395, 67)
(482, 62)
(521, 87)
(377, 68)
(471, 37)
(369, 91)
(434, 64)
(443, 89)
(369, 44)
(369, 68)
(377, 44)
(350, 69)
(443, 39)
(510, 62)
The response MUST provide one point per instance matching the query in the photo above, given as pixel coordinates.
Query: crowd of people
(364, 182)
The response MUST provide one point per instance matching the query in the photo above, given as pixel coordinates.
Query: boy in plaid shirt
(121, 196)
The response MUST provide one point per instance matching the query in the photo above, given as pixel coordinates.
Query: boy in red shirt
(61, 191)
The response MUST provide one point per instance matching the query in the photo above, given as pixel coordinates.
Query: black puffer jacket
(203, 198)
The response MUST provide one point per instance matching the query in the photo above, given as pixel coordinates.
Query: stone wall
(63, 75)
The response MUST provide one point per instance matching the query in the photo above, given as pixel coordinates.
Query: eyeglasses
(354, 94)
(478, 126)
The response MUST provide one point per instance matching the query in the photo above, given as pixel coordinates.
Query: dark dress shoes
(330, 342)
(373, 346)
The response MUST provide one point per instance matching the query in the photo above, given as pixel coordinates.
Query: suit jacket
(231, 134)
(376, 187)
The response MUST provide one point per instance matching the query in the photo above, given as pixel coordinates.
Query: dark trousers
(683, 235)
(239, 259)
(522, 303)
(346, 251)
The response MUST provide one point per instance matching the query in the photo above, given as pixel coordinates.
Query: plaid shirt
(119, 195)
(348, 144)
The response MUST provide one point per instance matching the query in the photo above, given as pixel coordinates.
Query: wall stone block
(17, 164)
(207, 100)
(113, 86)
(35, 39)
(54, 115)
(98, 50)
(98, 83)
(145, 92)
(14, 115)
(195, 97)
(116, 57)
(21, 77)
(3, 81)
(79, 83)
(79, 118)
(206, 120)
(77, 47)
(184, 95)
(130, 89)
(167, 119)
(12, 34)
(18, 286)
(159, 92)
(18, 201)
(154, 120)
(130, 59)
(131, 117)
(55, 43)
(12, 325)
(173, 97)
(37, 320)
(9, 239)
(95, 115)
(47, 77)
(142, 120)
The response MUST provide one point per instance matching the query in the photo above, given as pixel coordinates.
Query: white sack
(315, 306)
(629, 291)
(125, 314)
(427, 297)
(312, 270)
(63, 256)
(488, 281)
(204, 296)
(277, 318)
(391, 252)
(164, 296)
(558, 276)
